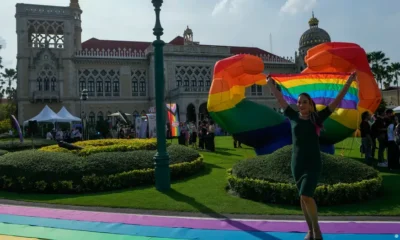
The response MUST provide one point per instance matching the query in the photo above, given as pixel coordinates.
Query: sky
(369, 23)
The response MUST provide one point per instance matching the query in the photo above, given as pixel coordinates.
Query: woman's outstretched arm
(278, 95)
(333, 105)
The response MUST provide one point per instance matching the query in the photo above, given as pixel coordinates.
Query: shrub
(15, 145)
(107, 163)
(269, 179)
(5, 125)
(43, 171)
(107, 145)
(2, 152)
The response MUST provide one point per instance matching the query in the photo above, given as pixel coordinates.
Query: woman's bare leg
(310, 234)
(311, 208)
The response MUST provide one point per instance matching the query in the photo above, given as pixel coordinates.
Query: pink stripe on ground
(199, 223)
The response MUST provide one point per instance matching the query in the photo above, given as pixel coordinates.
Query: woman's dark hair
(314, 117)
(364, 115)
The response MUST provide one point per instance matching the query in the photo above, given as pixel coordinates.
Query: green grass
(206, 191)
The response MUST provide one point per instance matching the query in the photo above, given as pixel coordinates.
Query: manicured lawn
(206, 191)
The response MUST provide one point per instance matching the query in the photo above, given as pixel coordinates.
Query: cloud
(231, 6)
(219, 7)
(295, 6)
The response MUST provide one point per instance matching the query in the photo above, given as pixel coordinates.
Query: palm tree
(378, 62)
(394, 74)
(9, 75)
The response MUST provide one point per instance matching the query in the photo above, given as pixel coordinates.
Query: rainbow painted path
(18, 222)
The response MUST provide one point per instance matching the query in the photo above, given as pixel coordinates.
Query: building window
(139, 79)
(102, 85)
(99, 88)
(46, 80)
(45, 33)
(39, 84)
(92, 118)
(116, 87)
(100, 116)
(91, 87)
(108, 87)
(256, 90)
(82, 84)
(179, 81)
(46, 84)
(53, 84)
(142, 88)
(193, 76)
(135, 88)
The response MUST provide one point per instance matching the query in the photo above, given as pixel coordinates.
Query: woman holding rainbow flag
(306, 158)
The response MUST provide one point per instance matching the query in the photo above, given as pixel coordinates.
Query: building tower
(310, 38)
(48, 37)
(188, 36)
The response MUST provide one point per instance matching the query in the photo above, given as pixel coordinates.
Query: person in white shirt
(393, 149)
(49, 136)
(59, 135)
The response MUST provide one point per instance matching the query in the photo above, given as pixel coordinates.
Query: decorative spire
(313, 22)
(74, 4)
(188, 35)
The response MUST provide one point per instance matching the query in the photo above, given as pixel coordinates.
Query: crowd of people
(67, 136)
(381, 132)
(205, 132)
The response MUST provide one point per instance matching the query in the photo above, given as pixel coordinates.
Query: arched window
(46, 80)
(100, 116)
(53, 84)
(92, 117)
(109, 118)
(39, 84)
(116, 86)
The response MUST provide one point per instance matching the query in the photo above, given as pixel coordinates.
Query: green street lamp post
(84, 97)
(162, 171)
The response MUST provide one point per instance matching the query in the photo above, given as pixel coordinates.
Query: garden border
(285, 193)
(95, 183)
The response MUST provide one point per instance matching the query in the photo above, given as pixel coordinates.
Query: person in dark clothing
(379, 132)
(393, 149)
(202, 135)
(366, 136)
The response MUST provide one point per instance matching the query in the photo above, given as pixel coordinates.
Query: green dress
(306, 156)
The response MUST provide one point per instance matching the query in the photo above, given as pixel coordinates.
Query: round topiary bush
(61, 172)
(269, 179)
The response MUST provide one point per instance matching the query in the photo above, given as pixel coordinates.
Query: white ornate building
(54, 66)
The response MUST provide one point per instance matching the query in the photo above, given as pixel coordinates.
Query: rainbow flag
(173, 119)
(322, 87)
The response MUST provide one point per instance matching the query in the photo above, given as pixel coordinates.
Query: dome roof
(314, 35)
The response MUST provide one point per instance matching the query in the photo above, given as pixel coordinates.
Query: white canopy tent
(46, 115)
(396, 109)
(67, 116)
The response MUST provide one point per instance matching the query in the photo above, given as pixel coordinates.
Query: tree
(393, 77)
(9, 75)
(1, 66)
(382, 106)
(379, 62)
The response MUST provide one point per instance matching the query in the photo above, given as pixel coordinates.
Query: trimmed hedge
(107, 145)
(41, 171)
(14, 146)
(269, 179)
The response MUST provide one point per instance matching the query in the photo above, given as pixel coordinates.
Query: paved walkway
(21, 220)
